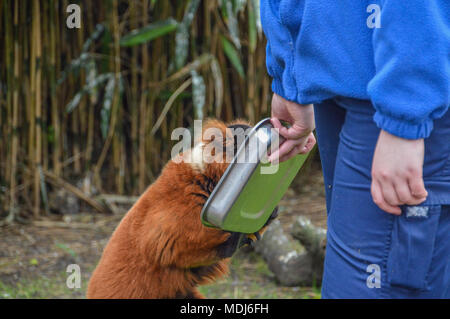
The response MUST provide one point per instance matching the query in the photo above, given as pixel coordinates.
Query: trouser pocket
(412, 246)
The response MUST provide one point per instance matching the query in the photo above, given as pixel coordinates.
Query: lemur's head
(215, 148)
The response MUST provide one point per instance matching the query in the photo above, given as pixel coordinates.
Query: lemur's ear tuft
(210, 127)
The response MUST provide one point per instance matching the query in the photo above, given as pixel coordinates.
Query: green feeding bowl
(251, 187)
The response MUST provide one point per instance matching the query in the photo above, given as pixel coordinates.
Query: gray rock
(64, 202)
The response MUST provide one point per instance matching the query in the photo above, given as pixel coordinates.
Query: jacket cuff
(277, 87)
(404, 129)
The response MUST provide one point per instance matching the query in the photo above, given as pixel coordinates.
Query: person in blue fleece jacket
(374, 78)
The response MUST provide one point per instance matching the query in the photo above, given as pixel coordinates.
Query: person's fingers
(311, 141)
(276, 123)
(404, 194)
(292, 148)
(295, 151)
(378, 199)
(293, 132)
(417, 187)
(300, 148)
(284, 149)
(389, 194)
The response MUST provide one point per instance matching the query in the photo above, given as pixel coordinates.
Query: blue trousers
(370, 253)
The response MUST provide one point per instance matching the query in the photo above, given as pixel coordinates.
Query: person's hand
(299, 137)
(397, 173)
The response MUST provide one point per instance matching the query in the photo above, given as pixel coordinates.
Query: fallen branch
(111, 200)
(118, 199)
(58, 181)
(290, 262)
(54, 224)
(311, 237)
(76, 225)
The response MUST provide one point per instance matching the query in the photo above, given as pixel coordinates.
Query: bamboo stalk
(251, 90)
(15, 140)
(36, 120)
(92, 101)
(44, 86)
(78, 125)
(115, 102)
(56, 155)
(9, 45)
(142, 105)
(134, 97)
(4, 130)
(118, 156)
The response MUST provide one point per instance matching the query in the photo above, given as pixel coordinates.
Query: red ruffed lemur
(161, 249)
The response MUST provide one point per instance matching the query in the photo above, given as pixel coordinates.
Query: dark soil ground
(34, 258)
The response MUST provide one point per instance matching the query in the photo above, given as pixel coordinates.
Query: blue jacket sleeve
(281, 22)
(411, 87)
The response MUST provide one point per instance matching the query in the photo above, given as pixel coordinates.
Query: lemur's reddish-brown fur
(161, 249)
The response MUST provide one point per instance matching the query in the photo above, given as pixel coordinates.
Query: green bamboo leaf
(238, 5)
(198, 94)
(149, 32)
(88, 88)
(81, 62)
(99, 28)
(74, 102)
(105, 113)
(182, 35)
(218, 86)
(232, 23)
(256, 10)
(181, 46)
(252, 27)
(189, 14)
(91, 74)
(169, 104)
(233, 56)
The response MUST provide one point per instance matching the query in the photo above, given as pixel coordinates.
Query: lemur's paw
(249, 239)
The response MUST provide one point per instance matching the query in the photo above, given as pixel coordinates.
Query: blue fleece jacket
(399, 59)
